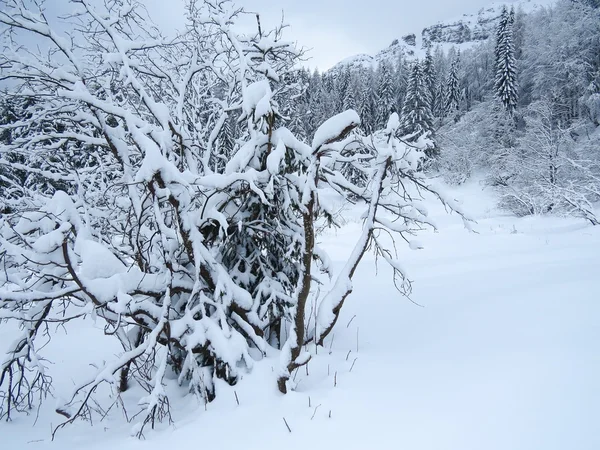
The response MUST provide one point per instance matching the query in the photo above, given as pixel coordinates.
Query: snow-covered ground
(502, 353)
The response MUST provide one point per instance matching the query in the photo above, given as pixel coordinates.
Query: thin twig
(315, 412)
(286, 424)
(347, 326)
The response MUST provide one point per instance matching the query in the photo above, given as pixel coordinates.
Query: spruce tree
(416, 112)
(342, 83)
(452, 102)
(401, 81)
(439, 104)
(430, 76)
(315, 108)
(506, 74)
(385, 93)
(349, 100)
(368, 102)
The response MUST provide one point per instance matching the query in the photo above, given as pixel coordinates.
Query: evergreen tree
(328, 96)
(402, 75)
(342, 83)
(506, 75)
(226, 143)
(430, 76)
(439, 111)
(349, 100)
(315, 106)
(452, 102)
(438, 102)
(385, 93)
(368, 102)
(416, 112)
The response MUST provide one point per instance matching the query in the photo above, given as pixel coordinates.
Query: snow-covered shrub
(481, 140)
(552, 172)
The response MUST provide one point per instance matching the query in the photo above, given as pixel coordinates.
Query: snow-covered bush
(552, 172)
(480, 141)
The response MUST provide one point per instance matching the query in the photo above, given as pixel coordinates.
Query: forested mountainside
(521, 105)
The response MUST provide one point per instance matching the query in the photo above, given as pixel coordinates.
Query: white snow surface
(257, 98)
(98, 262)
(501, 354)
(333, 127)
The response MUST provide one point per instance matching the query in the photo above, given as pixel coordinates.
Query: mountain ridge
(460, 32)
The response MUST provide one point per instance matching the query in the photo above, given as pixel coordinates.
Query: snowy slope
(502, 354)
(460, 32)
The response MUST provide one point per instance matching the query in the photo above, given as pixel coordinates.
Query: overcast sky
(332, 29)
(336, 29)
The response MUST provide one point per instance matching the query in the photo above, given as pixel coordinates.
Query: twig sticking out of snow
(287, 426)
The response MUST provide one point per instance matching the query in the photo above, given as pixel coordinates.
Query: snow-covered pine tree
(452, 103)
(342, 83)
(226, 143)
(401, 80)
(439, 112)
(368, 101)
(294, 106)
(417, 120)
(476, 71)
(386, 94)
(12, 180)
(430, 77)
(313, 112)
(557, 51)
(328, 101)
(350, 96)
(505, 83)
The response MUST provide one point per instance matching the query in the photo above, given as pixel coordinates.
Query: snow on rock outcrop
(461, 32)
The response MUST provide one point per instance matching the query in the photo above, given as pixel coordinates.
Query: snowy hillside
(498, 351)
(461, 32)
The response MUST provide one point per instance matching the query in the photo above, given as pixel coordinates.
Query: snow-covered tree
(352, 91)
(197, 255)
(342, 83)
(368, 102)
(416, 114)
(430, 77)
(452, 90)
(385, 92)
(550, 172)
(401, 80)
(505, 84)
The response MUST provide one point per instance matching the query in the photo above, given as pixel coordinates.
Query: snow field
(501, 354)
